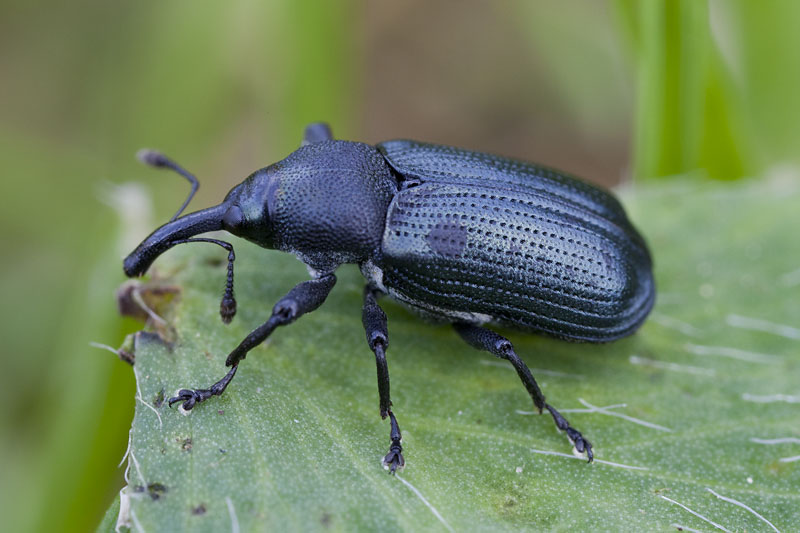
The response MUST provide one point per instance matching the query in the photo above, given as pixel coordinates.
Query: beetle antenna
(157, 159)
(227, 307)
(164, 238)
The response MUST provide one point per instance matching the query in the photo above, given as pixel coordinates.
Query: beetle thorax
(329, 205)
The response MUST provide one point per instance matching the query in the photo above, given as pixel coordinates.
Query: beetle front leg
(374, 320)
(484, 339)
(303, 298)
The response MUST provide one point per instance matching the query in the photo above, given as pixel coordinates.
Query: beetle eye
(233, 217)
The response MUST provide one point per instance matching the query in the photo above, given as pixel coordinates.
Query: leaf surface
(707, 386)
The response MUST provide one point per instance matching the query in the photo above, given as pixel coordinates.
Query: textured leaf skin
(295, 443)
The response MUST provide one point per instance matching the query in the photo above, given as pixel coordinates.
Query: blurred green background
(609, 90)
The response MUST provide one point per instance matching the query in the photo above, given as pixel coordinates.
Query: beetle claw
(394, 459)
(575, 437)
(189, 398)
(581, 444)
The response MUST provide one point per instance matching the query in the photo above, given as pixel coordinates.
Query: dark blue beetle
(458, 236)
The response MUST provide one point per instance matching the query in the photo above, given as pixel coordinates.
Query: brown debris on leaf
(145, 300)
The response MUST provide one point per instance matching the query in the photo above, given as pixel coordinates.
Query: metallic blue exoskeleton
(458, 236)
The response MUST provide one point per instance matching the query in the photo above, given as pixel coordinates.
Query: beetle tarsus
(191, 397)
(582, 445)
(394, 459)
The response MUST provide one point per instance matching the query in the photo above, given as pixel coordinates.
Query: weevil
(460, 237)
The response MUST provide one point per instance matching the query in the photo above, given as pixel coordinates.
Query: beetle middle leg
(484, 339)
(374, 320)
(303, 298)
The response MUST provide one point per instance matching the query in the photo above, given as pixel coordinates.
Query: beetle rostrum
(458, 236)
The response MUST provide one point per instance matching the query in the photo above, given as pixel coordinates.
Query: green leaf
(295, 442)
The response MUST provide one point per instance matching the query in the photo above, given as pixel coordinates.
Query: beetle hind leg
(484, 339)
(374, 320)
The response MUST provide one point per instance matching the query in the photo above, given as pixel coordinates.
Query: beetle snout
(132, 266)
(170, 234)
(137, 263)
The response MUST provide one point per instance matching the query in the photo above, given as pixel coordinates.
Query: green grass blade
(690, 114)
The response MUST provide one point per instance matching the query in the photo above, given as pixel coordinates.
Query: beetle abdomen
(522, 258)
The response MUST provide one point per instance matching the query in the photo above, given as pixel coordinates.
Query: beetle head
(244, 213)
(247, 208)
